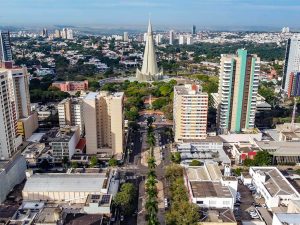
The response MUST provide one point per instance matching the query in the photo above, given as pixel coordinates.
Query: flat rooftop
(189, 89)
(275, 183)
(64, 182)
(282, 148)
(203, 189)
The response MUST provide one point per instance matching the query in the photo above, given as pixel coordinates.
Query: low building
(98, 204)
(49, 216)
(33, 152)
(217, 216)
(286, 219)
(67, 86)
(294, 206)
(242, 151)
(63, 142)
(273, 186)
(208, 188)
(68, 188)
(26, 213)
(12, 172)
(209, 149)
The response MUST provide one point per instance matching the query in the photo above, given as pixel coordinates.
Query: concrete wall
(13, 174)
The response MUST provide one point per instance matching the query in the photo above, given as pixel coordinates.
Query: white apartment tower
(292, 61)
(171, 37)
(8, 121)
(238, 86)
(190, 113)
(103, 119)
(70, 113)
(182, 39)
(125, 37)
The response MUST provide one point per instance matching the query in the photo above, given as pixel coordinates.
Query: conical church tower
(150, 71)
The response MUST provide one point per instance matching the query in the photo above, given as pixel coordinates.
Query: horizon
(205, 14)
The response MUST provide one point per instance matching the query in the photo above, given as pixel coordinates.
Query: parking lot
(248, 205)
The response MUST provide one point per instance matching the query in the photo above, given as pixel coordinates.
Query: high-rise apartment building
(292, 60)
(19, 90)
(238, 86)
(190, 113)
(70, 113)
(69, 34)
(182, 39)
(6, 60)
(189, 40)
(57, 34)
(104, 123)
(125, 37)
(194, 30)
(171, 37)
(9, 140)
(294, 85)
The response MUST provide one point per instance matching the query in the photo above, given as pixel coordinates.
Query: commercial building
(6, 60)
(292, 61)
(243, 150)
(104, 123)
(190, 109)
(149, 71)
(208, 188)
(67, 86)
(194, 30)
(238, 86)
(70, 113)
(273, 186)
(12, 172)
(67, 188)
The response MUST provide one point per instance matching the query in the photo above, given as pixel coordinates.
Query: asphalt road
(134, 171)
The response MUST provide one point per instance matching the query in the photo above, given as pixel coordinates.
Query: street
(135, 171)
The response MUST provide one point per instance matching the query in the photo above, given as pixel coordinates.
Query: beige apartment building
(70, 112)
(18, 83)
(190, 113)
(103, 119)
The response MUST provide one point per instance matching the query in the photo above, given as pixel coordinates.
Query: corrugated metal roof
(64, 183)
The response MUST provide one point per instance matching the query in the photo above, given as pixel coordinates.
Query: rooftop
(275, 182)
(218, 216)
(203, 189)
(282, 148)
(208, 172)
(48, 215)
(189, 89)
(86, 219)
(48, 182)
(288, 218)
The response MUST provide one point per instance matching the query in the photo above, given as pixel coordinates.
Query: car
(121, 218)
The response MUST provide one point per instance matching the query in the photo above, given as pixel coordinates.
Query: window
(200, 202)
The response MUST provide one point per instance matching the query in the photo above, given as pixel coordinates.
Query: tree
(176, 157)
(65, 161)
(263, 158)
(93, 161)
(124, 199)
(74, 165)
(195, 163)
(112, 162)
(159, 103)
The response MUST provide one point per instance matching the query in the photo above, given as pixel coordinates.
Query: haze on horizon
(203, 13)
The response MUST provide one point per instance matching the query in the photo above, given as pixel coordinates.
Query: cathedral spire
(149, 69)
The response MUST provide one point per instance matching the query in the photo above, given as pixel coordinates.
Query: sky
(202, 13)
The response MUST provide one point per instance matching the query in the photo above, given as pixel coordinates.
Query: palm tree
(151, 163)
